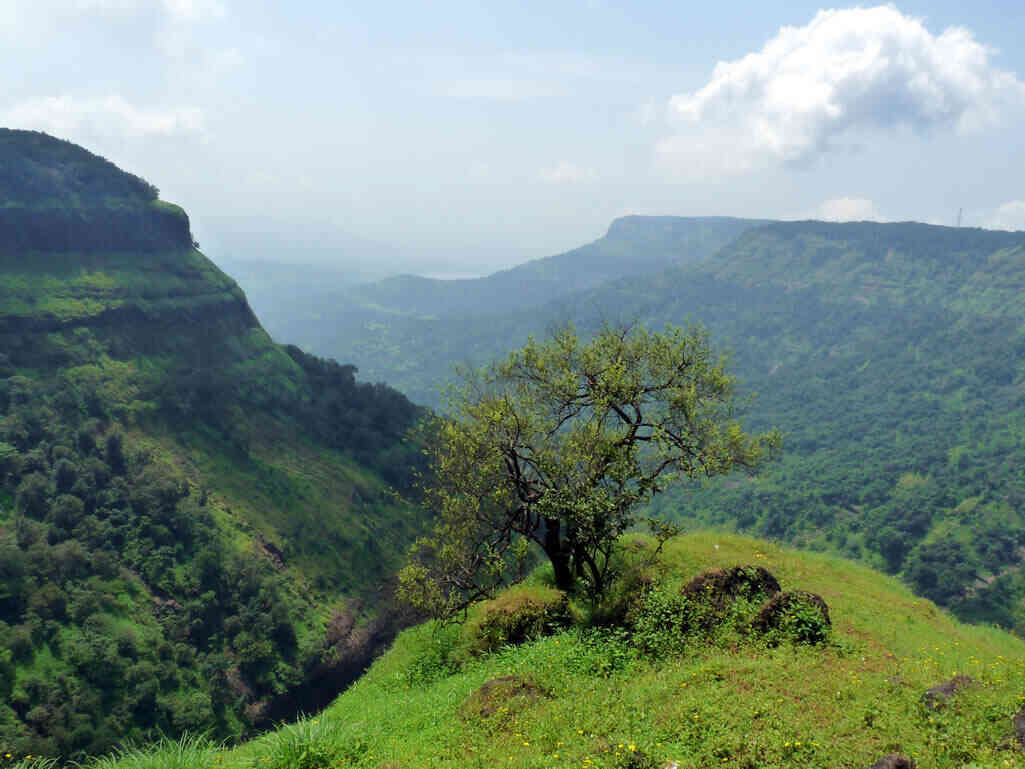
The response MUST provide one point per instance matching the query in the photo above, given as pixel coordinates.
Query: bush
(635, 570)
(522, 613)
(798, 616)
(436, 657)
(307, 745)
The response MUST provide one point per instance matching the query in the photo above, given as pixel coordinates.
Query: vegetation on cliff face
(188, 511)
(682, 674)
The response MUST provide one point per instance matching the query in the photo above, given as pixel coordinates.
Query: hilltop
(197, 524)
(665, 688)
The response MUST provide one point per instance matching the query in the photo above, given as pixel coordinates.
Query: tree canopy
(557, 445)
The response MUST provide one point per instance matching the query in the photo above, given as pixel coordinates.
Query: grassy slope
(68, 287)
(729, 703)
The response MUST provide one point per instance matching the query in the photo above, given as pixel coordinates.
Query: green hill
(889, 354)
(665, 688)
(191, 515)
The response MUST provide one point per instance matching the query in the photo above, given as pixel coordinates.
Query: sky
(467, 136)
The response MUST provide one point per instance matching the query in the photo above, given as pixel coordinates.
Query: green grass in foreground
(724, 700)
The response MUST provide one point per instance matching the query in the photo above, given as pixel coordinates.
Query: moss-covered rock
(523, 613)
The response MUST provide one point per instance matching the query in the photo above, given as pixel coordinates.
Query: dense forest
(123, 613)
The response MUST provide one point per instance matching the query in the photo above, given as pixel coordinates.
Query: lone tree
(558, 445)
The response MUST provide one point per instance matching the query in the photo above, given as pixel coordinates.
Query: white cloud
(498, 89)
(814, 88)
(847, 210)
(181, 10)
(194, 10)
(567, 173)
(109, 117)
(33, 24)
(1009, 216)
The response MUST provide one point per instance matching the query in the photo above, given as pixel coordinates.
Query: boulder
(803, 615)
(938, 696)
(893, 761)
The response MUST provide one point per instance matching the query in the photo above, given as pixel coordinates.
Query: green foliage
(370, 421)
(438, 656)
(558, 445)
(182, 501)
(803, 622)
(68, 607)
(301, 746)
(189, 751)
(523, 613)
(86, 510)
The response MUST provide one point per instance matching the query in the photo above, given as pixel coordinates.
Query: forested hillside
(890, 355)
(191, 515)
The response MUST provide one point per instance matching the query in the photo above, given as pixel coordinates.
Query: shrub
(522, 613)
(437, 658)
(307, 745)
(502, 697)
(798, 616)
(635, 570)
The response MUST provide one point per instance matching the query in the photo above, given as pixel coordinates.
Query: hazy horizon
(470, 137)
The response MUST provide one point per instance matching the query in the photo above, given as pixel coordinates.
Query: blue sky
(471, 135)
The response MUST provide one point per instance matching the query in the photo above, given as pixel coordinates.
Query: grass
(724, 699)
(72, 287)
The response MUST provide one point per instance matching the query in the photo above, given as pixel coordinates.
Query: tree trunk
(558, 554)
(585, 563)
